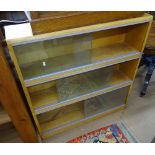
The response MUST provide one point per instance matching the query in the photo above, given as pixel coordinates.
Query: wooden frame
(13, 103)
(125, 30)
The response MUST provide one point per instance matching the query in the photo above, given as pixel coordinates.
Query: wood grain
(136, 36)
(13, 103)
(45, 22)
(53, 14)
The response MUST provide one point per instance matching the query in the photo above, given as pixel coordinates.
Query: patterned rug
(114, 133)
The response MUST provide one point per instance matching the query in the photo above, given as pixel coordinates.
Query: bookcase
(76, 75)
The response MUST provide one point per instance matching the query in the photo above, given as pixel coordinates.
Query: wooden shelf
(4, 118)
(78, 112)
(73, 114)
(61, 116)
(52, 131)
(67, 65)
(49, 99)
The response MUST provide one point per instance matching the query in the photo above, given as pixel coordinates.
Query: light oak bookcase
(73, 76)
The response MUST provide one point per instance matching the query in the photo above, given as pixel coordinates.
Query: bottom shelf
(60, 119)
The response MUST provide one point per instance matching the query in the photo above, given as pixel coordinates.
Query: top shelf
(82, 30)
(75, 63)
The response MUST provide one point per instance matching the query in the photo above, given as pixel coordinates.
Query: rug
(114, 133)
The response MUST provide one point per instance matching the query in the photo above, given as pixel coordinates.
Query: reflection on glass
(82, 110)
(105, 102)
(85, 83)
(49, 56)
(73, 112)
(61, 91)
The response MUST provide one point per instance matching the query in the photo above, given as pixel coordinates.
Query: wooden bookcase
(77, 75)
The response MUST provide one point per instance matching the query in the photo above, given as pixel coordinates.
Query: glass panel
(105, 102)
(62, 115)
(49, 56)
(83, 110)
(62, 56)
(71, 89)
(84, 83)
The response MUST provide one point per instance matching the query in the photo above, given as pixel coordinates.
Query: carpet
(114, 133)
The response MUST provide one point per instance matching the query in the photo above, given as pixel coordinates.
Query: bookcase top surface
(81, 30)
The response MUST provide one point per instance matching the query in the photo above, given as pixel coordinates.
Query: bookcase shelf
(69, 90)
(73, 76)
(67, 65)
(70, 115)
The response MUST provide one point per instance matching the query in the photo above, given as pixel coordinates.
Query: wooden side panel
(139, 42)
(129, 68)
(13, 102)
(136, 36)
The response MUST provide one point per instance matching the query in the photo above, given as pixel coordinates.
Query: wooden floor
(4, 118)
(138, 117)
(8, 134)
